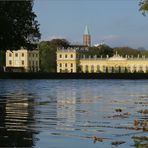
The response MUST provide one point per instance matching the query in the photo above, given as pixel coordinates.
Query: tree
(143, 6)
(101, 51)
(47, 57)
(18, 26)
(59, 43)
(2, 59)
(47, 51)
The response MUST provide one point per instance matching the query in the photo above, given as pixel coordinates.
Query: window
(32, 62)
(60, 64)
(86, 68)
(16, 54)
(92, 68)
(134, 68)
(104, 68)
(140, 68)
(10, 62)
(71, 64)
(71, 56)
(60, 56)
(32, 55)
(23, 62)
(36, 62)
(22, 54)
(98, 68)
(65, 64)
(71, 70)
(10, 54)
(65, 55)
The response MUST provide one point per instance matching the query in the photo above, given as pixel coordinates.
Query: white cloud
(111, 37)
(56, 37)
(53, 37)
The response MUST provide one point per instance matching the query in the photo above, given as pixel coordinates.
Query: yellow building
(22, 60)
(68, 60)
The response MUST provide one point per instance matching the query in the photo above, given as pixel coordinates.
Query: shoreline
(39, 75)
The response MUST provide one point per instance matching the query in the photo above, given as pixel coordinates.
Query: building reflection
(17, 116)
(66, 108)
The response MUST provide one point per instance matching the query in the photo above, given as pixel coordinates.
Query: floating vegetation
(118, 110)
(140, 137)
(123, 115)
(143, 111)
(116, 143)
(140, 144)
(95, 139)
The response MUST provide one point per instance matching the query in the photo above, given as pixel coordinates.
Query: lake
(73, 113)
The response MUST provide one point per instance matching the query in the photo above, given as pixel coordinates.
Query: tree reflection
(16, 117)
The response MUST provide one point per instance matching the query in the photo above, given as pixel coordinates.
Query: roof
(86, 31)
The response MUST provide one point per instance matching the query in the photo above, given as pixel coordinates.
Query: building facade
(68, 60)
(22, 60)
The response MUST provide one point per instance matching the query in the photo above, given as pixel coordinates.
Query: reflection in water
(66, 107)
(68, 113)
(15, 120)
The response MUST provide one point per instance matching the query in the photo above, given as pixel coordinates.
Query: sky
(116, 22)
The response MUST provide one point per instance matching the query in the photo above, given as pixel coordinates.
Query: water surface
(69, 113)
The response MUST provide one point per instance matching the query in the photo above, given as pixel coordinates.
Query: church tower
(86, 37)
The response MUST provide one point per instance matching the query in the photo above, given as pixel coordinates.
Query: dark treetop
(18, 26)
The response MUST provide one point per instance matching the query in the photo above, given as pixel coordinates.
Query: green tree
(59, 43)
(2, 59)
(143, 6)
(18, 25)
(47, 51)
(101, 51)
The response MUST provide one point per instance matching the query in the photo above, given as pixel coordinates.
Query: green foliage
(2, 60)
(143, 6)
(101, 51)
(59, 43)
(18, 26)
(127, 51)
(47, 51)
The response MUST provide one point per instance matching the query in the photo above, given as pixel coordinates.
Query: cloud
(53, 37)
(111, 37)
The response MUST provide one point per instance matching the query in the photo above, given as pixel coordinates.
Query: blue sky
(117, 22)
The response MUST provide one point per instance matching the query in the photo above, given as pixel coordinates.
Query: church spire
(86, 31)
(86, 37)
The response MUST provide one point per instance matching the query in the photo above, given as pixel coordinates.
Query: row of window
(140, 68)
(65, 56)
(98, 66)
(22, 62)
(33, 62)
(66, 64)
(22, 54)
(66, 70)
(16, 54)
(33, 55)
